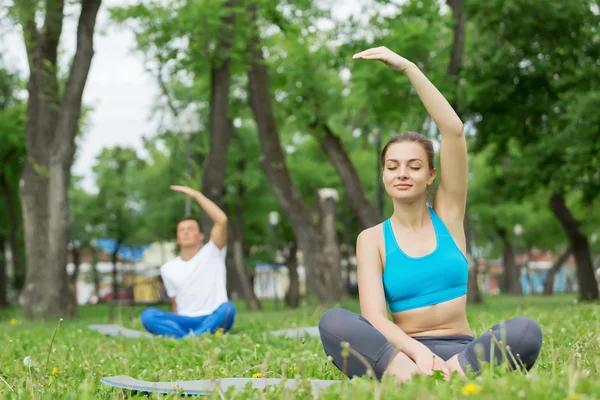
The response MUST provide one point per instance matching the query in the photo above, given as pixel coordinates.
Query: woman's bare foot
(402, 368)
(455, 365)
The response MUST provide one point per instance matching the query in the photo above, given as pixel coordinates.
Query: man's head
(189, 234)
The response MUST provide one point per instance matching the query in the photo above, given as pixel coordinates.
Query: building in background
(138, 273)
(271, 281)
(534, 271)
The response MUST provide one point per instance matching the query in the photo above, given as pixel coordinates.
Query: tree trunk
(238, 250)
(346, 252)
(233, 286)
(354, 193)
(511, 276)
(95, 274)
(473, 292)
(115, 281)
(3, 285)
(292, 297)
(458, 44)
(52, 122)
(586, 279)
(326, 200)
(242, 274)
(76, 260)
(16, 250)
(13, 236)
(549, 282)
(273, 164)
(45, 222)
(215, 165)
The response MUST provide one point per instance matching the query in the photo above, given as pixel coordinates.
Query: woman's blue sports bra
(414, 282)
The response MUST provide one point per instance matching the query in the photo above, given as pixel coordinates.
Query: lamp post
(188, 123)
(594, 240)
(379, 181)
(518, 231)
(273, 222)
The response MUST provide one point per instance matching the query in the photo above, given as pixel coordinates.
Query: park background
(258, 104)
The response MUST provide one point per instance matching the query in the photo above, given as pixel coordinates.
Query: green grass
(567, 368)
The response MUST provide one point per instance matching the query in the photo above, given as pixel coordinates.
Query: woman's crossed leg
(517, 341)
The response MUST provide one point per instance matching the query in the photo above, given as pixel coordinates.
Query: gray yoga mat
(206, 386)
(312, 331)
(118, 330)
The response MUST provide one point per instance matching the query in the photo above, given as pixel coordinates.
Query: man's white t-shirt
(199, 284)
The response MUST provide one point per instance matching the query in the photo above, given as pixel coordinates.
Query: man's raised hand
(185, 190)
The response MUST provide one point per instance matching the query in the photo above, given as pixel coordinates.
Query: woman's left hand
(386, 56)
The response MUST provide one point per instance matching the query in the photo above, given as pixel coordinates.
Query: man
(195, 280)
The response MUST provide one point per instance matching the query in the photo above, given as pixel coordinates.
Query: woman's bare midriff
(444, 319)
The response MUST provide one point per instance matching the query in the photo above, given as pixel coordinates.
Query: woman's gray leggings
(521, 336)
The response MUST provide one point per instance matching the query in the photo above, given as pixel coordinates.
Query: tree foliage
(528, 93)
(12, 159)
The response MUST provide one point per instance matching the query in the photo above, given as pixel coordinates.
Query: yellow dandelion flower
(470, 389)
(54, 371)
(219, 332)
(292, 368)
(256, 375)
(100, 373)
(223, 372)
(13, 321)
(573, 396)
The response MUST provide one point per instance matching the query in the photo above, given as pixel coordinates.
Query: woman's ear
(432, 176)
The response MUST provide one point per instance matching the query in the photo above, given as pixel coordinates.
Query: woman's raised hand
(386, 56)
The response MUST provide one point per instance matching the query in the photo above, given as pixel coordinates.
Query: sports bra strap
(388, 235)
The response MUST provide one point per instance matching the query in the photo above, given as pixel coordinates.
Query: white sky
(118, 88)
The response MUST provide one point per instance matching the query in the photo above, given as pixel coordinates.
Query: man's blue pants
(165, 323)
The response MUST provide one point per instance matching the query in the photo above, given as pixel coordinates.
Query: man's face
(188, 234)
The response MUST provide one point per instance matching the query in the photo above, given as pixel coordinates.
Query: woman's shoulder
(370, 247)
(371, 236)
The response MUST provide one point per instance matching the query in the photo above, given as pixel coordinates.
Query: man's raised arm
(218, 234)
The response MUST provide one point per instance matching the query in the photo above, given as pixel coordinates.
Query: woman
(415, 262)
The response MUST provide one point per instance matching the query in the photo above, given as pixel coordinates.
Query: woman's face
(406, 173)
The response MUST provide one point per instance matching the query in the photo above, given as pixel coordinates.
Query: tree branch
(459, 37)
(64, 139)
(354, 193)
(45, 88)
(26, 17)
(165, 90)
(277, 18)
(51, 31)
